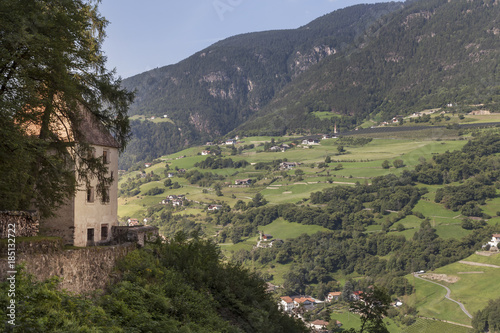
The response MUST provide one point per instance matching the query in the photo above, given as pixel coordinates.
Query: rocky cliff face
(302, 61)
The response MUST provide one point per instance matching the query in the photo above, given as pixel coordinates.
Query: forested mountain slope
(365, 61)
(215, 90)
(429, 54)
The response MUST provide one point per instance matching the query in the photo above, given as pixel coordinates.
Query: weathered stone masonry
(82, 270)
(26, 223)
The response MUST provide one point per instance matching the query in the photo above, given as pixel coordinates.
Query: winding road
(447, 296)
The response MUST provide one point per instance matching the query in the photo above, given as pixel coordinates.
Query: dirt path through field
(472, 263)
(447, 296)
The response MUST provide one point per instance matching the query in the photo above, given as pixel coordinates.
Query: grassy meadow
(358, 164)
(472, 287)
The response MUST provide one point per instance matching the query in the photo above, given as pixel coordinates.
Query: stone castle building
(87, 218)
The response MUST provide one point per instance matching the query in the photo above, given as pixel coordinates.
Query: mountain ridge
(415, 60)
(220, 87)
(365, 61)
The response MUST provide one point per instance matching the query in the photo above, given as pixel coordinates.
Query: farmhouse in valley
(495, 239)
(246, 181)
(310, 141)
(288, 165)
(333, 296)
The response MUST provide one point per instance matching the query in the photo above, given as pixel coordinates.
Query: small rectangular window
(90, 234)
(90, 194)
(105, 156)
(104, 232)
(105, 196)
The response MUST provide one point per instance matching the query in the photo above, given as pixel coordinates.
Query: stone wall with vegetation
(82, 269)
(25, 223)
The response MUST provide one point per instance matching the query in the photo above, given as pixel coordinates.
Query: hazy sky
(145, 34)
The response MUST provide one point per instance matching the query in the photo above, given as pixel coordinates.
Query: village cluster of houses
(135, 222)
(310, 141)
(227, 142)
(282, 148)
(289, 303)
(297, 304)
(174, 200)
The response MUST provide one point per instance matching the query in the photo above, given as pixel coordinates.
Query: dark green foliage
(316, 257)
(204, 179)
(41, 307)
(155, 191)
(465, 197)
(398, 163)
(220, 163)
(182, 286)
(477, 156)
(352, 141)
(415, 58)
(54, 85)
(488, 319)
(476, 163)
(373, 308)
(470, 224)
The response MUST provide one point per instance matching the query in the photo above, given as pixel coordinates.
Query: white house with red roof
(357, 295)
(319, 325)
(333, 296)
(286, 303)
(307, 302)
(495, 239)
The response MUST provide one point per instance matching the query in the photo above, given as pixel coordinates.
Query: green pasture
(323, 114)
(428, 134)
(492, 259)
(492, 207)
(363, 163)
(291, 193)
(280, 229)
(429, 300)
(351, 320)
(277, 271)
(130, 208)
(477, 119)
(473, 288)
(283, 229)
(423, 325)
